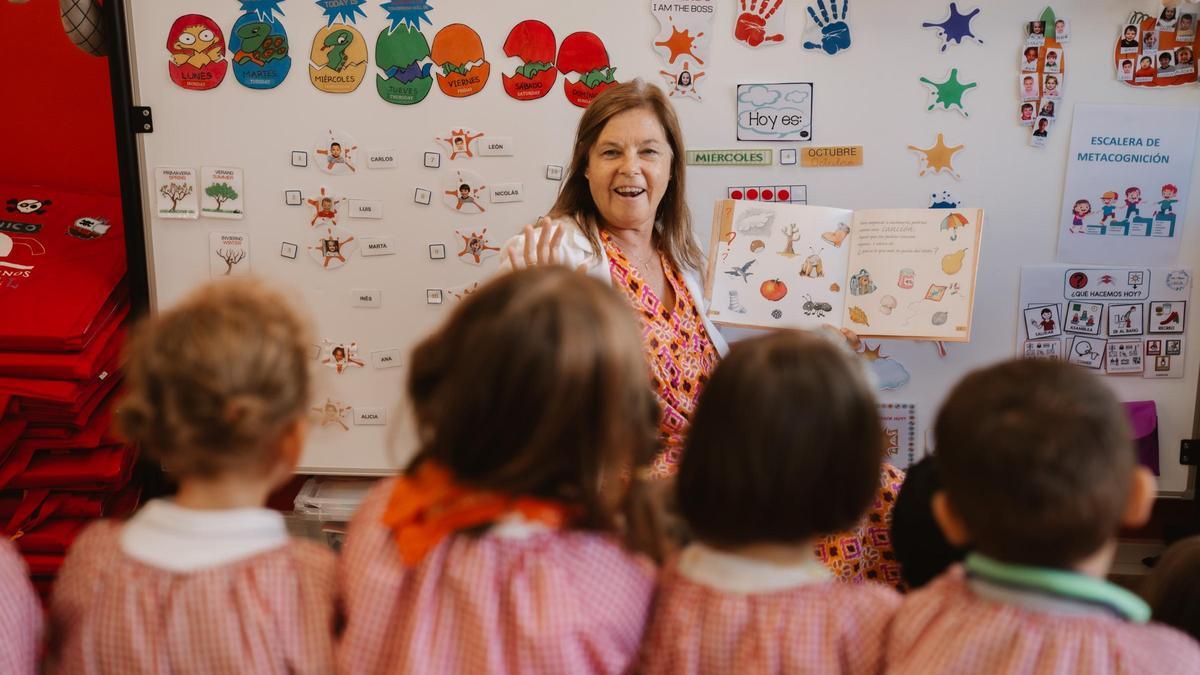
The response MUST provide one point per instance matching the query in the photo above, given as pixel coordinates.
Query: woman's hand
(852, 339)
(546, 250)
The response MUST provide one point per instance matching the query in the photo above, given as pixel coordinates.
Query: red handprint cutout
(751, 27)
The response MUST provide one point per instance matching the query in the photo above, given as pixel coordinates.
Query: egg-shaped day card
(462, 67)
(338, 59)
(258, 46)
(402, 65)
(197, 48)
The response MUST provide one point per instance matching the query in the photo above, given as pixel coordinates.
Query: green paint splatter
(950, 92)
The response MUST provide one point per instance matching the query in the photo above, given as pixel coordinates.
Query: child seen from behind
(512, 543)
(1038, 473)
(786, 447)
(208, 580)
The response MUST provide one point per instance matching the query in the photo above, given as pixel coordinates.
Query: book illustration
(735, 303)
(812, 267)
(815, 308)
(857, 315)
(953, 262)
(792, 232)
(952, 223)
(837, 236)
(756, 221)
(742, 271)
(773, 290)
(861, 284)
(892, 274)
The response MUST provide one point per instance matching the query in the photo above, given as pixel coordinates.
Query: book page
(912, 273)
(777, 265)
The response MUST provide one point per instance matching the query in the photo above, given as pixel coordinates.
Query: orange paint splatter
(681, 43)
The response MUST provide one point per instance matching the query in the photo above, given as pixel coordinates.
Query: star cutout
(938, 158)
(956, 27)
(950, 92)
(681, 43)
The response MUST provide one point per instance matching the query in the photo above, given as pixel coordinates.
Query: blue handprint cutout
(835, 32)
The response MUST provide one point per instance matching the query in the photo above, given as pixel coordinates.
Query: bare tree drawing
(231, 257)
(176, 192)
(792, 232)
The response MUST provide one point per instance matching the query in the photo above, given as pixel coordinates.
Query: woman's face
(629, 168)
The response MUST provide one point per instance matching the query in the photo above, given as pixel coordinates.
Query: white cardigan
(574, 250)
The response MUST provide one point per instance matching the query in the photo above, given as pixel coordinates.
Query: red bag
(1143, 422)
(81, 365)
(21, 511)
(73, 417)
(104, 468)
(52, 536)
(62, 258)
(43, 564)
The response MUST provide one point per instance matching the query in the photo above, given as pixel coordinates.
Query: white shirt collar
(513, 525)
(166, 535)
(734, 573)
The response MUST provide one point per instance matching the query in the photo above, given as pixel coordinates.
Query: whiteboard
(868, 96)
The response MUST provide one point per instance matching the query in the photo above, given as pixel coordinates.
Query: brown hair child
(509, 543)
(1038, 473)
(786, 447)
(1173, 589)
(207, 580)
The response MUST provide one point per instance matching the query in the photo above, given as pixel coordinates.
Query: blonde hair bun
(213, 381)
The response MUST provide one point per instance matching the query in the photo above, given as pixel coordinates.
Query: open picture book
(894, 273)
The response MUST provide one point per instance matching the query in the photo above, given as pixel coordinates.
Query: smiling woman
(622, 217)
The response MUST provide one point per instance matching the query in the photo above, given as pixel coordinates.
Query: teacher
(622, 216)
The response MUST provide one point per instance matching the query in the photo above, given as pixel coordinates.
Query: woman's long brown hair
(536, 385)
(673, 217)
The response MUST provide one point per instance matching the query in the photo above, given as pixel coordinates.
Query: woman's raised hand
(545, 251)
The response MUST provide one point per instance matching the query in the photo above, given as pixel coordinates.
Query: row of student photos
(1112, 337)
(1042, 77)
(1142, 58)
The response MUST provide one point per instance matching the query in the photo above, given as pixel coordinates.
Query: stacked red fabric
(64, 303)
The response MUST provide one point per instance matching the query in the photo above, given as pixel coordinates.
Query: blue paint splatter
(956, 27)
(942, 201)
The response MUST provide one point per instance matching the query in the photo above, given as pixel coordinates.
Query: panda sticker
(27, 207)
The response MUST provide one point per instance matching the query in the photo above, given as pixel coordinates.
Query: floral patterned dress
(865, 553)
(681, 354)
(682, 358)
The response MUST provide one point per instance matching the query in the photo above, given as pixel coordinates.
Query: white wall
(868, 96)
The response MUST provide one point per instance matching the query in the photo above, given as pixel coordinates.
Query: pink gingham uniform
(825, 627)
(270, 613)
(20, 615)
(945, 627)
(556, 601)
